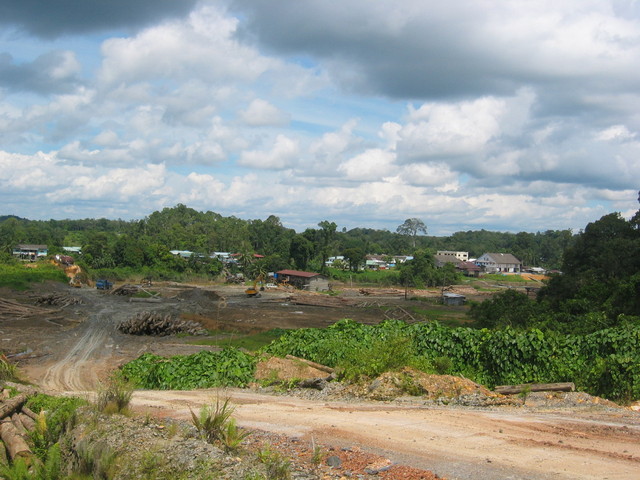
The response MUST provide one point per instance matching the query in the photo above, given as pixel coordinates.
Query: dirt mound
(408, 381)
(283, 369)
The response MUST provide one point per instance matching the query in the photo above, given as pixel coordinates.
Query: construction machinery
(253, 290)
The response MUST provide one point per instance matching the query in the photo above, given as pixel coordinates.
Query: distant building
(499, 263)
(453, 299)
(469, 269)
(462, 256)
(442, 260)
(310, 281)
(30, 252)
(76, 250)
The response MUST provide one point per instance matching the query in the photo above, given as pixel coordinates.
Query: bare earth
(70, 351)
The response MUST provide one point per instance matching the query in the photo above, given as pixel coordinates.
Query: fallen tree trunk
(15, 444)
(30, 413)
(11, 405)
(535, 387)
(17, 423)
(318, 366)
(27, 421)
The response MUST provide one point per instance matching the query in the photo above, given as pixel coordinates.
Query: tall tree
(411, 227)
(328, 233)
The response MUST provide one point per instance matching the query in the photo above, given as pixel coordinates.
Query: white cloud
(369, 166)
(615, 132)
(283, 154)
(261, 113)
(200, 47)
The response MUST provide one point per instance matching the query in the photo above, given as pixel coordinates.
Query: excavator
(253, 290)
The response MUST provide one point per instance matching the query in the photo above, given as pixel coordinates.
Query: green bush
(19, 276)
(605, 363)
(227, 368)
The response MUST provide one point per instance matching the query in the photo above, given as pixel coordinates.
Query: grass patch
(19, 277)
(250, 342)
(506, 278)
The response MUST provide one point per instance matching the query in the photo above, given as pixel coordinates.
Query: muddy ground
(562, 437)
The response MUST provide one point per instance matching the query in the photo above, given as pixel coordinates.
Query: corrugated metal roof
(297, 273)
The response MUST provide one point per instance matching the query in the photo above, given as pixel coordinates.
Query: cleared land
(70, 348)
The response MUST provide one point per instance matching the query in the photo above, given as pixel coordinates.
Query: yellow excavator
(253, 290)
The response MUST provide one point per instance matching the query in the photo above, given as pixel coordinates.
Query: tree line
(598, 289)
(138, 243)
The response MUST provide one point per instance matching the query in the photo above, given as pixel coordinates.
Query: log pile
(16, 421)
(160, 325)
(320, 301)
(57, 300)
(535, 387)
(10, 309)
(382, 292)
(126, 289)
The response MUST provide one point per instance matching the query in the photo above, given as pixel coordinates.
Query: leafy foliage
(227, 368)
(605, 363)
(18, 277)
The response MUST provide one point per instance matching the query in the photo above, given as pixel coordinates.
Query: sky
(467, 114)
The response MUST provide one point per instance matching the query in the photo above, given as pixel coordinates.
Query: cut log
(30, 413)
(27, 421)
(16, 445)
(318, 366)
(145, 300)
(20, 428)
(10, 406)
(3, 455)
(535, 387)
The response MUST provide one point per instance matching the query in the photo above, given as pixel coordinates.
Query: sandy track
(455, 443)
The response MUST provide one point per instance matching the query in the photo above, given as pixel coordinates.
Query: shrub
(115, 395)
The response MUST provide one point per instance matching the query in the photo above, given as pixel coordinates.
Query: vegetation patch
(250, 342)
(19, 276)
(605, 363)
(227, 368)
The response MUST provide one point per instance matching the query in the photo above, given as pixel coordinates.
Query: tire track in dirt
(76, 370)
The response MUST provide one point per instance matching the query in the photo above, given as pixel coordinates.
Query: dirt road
(456, 443)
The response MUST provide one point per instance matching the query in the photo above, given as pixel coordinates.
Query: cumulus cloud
(201, 47)
(283, 154)
(467, 115)
(261, 113)
(51, 72)
(57, 17)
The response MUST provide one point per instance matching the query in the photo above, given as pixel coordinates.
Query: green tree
(411, 227)
(327, 234)
(356, 258)
(300, 251)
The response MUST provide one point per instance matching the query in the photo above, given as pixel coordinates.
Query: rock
(334, 461)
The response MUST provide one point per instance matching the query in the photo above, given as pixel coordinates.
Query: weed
(8, 371)
(526, 390)
(213, 419)
(18, 470)
(115, 395)
(317, 453)
(278, 467)
(97, 460)
(410, 386)
(383, 355)
(442, 365)
(232, 436)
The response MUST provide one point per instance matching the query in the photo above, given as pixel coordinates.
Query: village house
(499, 263)
(30, 252)
(469, 269)
(310, 281)
(462, 256)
